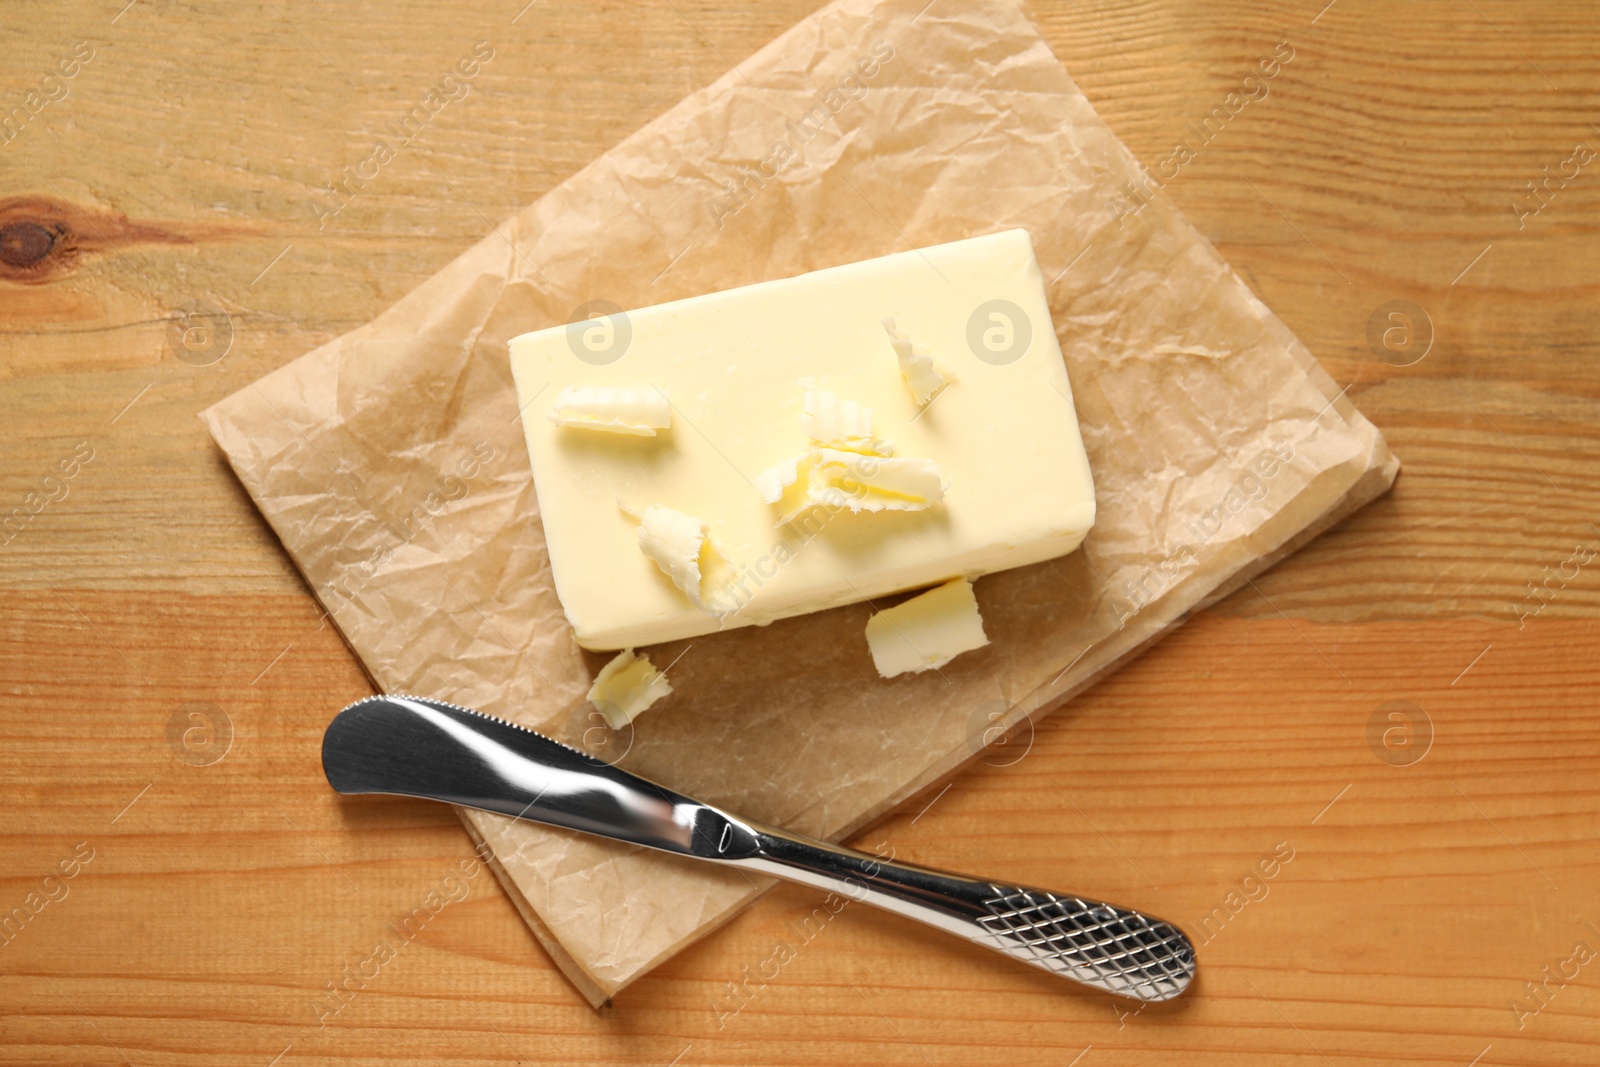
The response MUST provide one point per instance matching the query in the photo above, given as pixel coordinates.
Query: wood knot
(42, 239)
(24, 244)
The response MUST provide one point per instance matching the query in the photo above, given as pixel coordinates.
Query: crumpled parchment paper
(390, 463)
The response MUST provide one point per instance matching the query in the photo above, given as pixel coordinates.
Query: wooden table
(1406, 708)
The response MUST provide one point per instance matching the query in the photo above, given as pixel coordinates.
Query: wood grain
(172, 183)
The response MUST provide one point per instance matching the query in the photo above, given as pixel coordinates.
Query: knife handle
(1120, 951)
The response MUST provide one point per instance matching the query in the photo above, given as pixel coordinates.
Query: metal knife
(413, 746)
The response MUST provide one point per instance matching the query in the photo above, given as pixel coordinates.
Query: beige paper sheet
(390, 465)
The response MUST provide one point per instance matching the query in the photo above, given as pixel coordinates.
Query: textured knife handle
(1101, 945)
(1120, 951)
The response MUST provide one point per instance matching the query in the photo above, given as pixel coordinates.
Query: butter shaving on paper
(625, 687)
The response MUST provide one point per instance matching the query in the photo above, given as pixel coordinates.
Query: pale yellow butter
(677, 543)
(832, 478)
(923, 377)
(626, 686)
(635, 412)
(927, 631)
(841, 424)
(994, 476)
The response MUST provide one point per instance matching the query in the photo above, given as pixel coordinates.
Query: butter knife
(411, 746)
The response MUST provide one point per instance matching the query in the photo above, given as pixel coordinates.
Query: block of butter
(748, 455)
